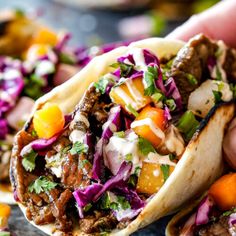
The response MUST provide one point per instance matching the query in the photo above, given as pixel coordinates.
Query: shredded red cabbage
(93, 192)
(167, 114)
(112, 125)
(63, 40)
(133, 198)
(172, 91)
(232, 219)
(3, 128)
(211, 62)
(126, 59)
(118, 180)
(203, 211)
(150, 58)
(85, 196)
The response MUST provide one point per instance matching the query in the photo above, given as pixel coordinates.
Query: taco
(112, 149)
(215, 214)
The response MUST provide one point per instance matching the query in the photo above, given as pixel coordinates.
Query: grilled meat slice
(191, 60)
(218, 228)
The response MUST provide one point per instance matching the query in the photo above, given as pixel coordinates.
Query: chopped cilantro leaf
(157, 97)
(28, 161)
(217, 96)
(115, 203)
(228, 213)
(137, 170)
(125, 69)
(149, 77)
(120, 134)
(114, 206)
(128, 157)
(101, 85)
(165, 171)
(79, 148)
(133, 180)
(145, 147)
(42, 184)
(115, 65)
(191, 79)
(132, 110)
(105, 202)
(123, 203)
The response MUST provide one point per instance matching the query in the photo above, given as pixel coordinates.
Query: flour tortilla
(172, 229)
(201, 162)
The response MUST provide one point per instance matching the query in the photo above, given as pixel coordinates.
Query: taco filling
(215, 214)
(99, 166)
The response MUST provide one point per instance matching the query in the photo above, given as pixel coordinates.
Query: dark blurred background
(102, 21)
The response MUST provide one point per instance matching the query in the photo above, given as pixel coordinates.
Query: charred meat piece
(20, 178)
(230, 65)
(63, 223)
(72, 174)
(191, 61)
(99, 222)
(218, 228)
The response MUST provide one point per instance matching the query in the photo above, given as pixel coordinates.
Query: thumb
(217, 22)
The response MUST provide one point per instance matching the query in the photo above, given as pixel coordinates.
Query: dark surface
(87, 27)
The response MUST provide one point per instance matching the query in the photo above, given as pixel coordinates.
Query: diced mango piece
(151, 178)
(131, 92)
(5, 212)
(45, 36)
(223, 192)
(48, 121)
(146, 131)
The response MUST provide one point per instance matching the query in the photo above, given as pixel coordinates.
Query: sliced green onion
(132, 110)
(188, 125)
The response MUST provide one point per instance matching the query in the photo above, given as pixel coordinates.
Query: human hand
(218, 22)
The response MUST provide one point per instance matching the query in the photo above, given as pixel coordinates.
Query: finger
(217, 22)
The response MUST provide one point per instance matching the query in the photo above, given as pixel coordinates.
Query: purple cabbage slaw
(202, 216)
(117, 183)
(203, 211)
(112, 125)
